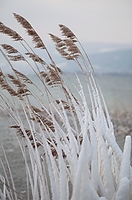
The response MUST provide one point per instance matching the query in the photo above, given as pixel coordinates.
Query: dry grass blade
(8, 31)
(36, 58)
(22, 91)
(66, 47)
(65, 54)
(28, 133)
(16, 58)
(72, 48)
(43, 74)
(23, 76)
(44, 122)
(55, 38)
(9, 49)
(43, 118)
(67, 32)
(6, 86)
(65, 104)
(31, 32)
(1, 74)
(16, 81)
(52, 76)
(22, 21)
(35, 109)
(57, 69)
(59, 43)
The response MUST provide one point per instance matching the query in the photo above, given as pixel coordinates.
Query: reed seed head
(67, 32)
(9, 49)
(35, 58)
(8, 31)
(30, 30)
(16, 58)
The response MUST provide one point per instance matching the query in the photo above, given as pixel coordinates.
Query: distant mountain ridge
(118, 61)
(105, 61)
(105, 58)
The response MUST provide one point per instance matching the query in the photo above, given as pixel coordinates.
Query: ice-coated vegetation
(68, 144)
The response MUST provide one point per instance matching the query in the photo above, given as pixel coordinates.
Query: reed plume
(23, 76)
(9, 49)
(67, 32)
(8, 31)
(36, 58)
(66, 47)
(31, 32)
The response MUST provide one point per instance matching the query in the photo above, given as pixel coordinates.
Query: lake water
(117, 91)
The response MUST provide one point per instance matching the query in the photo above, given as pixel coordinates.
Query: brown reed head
(66, 47)
(9, 49)
(30, 30)
(67, 32)
(8, 31)
(35, 58)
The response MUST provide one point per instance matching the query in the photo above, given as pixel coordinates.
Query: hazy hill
(105, 58)
(118, 61)
(105, 61)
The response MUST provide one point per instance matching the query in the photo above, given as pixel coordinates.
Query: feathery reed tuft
(9, 49)
(66, 47)
(8, 31)
(35, 58)
(16, 57)
(31, 32)
(23, 76)
(67, 32)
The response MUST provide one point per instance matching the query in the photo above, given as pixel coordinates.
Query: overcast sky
(107, 21)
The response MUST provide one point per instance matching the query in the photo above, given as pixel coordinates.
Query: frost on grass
(69, 141)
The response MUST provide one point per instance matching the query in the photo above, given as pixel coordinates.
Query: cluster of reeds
(71, 144)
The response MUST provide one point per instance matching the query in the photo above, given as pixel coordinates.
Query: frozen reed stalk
(71, 145)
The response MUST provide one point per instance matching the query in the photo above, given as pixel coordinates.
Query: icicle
(124, 187)
(123, 192)
(125, 163)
